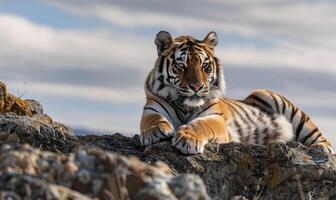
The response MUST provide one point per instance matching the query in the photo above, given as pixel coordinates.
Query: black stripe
(238, 113)
(161, 64)
(284, 104)
(162, 133)
(266, 136)
(162, 107)
(172, 56)
(299, 128)
(244, 111)
(184, 144)
(309, 135)
(307, 117)
(155, 134)
(253, 112)
(276, 102)
(317, 137)
(234, 110)
(168, 75)
(225, 101)
(152, 109)
(167, 63)
(161, 86)
(248, 137)
(256, 135)
(205, 109)
(183, 49)
(231, 107)
(180, 113)
(260, 100)
(239, 129)
(261, 118)
(294, 113)
(181, 118)
(175, 107)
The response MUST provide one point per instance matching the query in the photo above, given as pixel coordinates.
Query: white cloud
(295, 20)
(283, 56)
(100, 94)
(24, 43)
(300, 34)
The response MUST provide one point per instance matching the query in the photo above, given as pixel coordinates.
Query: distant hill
(86, 131)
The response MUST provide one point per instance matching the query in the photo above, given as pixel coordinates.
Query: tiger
(186, 103)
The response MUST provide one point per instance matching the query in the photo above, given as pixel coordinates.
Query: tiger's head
(186, 70)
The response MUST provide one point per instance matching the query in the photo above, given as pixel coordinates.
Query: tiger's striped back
(252, 125)
(304, 129)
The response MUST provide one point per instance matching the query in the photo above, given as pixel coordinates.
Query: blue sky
(87, 61)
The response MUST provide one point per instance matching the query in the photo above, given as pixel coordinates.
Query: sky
(86, 61)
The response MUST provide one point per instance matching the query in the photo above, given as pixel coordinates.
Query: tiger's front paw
(155, 134)
(188, 141)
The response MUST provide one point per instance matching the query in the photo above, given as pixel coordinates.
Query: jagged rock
(90, 173)
(236, 170)
(23, 129)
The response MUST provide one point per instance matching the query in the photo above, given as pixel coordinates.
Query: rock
(241, 171)
(24, 129)
(90, 173)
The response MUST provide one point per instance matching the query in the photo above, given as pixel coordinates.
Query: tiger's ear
(211, 39)
(163, 41)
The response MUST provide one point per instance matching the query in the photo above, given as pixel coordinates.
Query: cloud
(295, 20)
(297, 34)
(24, 43)
(281, 56)
(93, 93)
(82, 63)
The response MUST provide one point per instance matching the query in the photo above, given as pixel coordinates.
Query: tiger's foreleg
(191, 138)
(154, 125)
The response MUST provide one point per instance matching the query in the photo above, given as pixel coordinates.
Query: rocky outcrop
(277, 171)
(53, 164)
(90, 173)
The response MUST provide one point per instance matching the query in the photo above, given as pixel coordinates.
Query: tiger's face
(186, 70)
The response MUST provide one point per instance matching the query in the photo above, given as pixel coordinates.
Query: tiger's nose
(196, 87)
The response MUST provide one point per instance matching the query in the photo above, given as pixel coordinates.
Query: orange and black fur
(185, 102)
